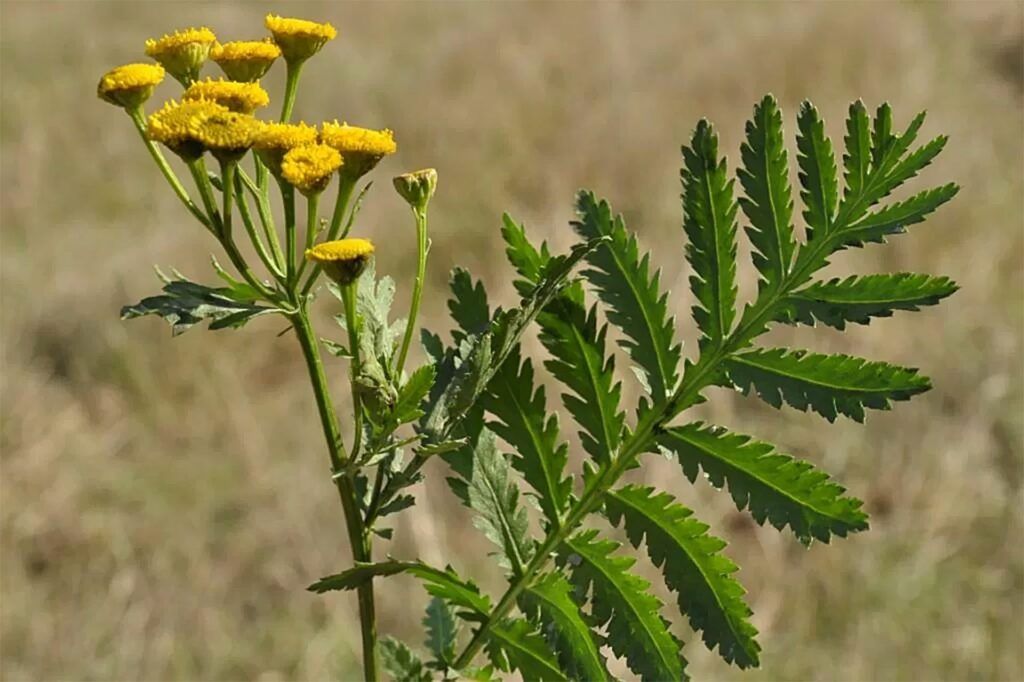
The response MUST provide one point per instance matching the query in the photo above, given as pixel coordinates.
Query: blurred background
(164, 502)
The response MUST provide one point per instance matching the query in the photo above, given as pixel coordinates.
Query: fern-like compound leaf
(857, 161)
(768, 204)
(818, 180)
(857, 299)
(709, 219)
(442, 630)
(401, 662)
(527, 260)
(895, 218)
(495, 498)
(550, 604)
(621, 600)
(468, 305)
(524, 422)
(577, 345)
(693, 566)
(828, 384)
(516, 645)
(775, 487)
(632, 294)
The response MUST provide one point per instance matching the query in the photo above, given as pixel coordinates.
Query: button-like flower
(243, 98)
(298, 39)
(344, 259)
(274, 140)
(192, 127)
(245, 60)
(182, 53)
(130, 85)
(310, 167)
(361, 148)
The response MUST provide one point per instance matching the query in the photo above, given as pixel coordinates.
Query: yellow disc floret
(130, 85)
(243, 98)
(245, 60)
(195, 126)
(362, 148)
(342, 260)
(298, 39)
(274, 140)
(182, 53)
(310, 167)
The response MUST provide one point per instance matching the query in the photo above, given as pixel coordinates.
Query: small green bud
(417, 188)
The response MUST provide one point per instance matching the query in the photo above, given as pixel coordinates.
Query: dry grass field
(164, 502)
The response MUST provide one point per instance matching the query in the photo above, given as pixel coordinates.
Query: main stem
(357, 534)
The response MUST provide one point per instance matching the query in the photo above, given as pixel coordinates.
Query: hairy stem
(357, 535)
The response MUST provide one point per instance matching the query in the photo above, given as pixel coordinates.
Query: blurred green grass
(163, 503)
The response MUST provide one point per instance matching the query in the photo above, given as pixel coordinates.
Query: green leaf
(445, 584)
(572, 336)
(523, 421)
(374, 297)
(442, 630)
(774, 487)
(620, 600)
(468, 305)
(769, 201)
(528, 261)
(635, 303)
(820, 186)
(828, 384)
(185, 304)
(859, 298)
(401, 662)
(549, 604)
(895, 218)
(412, 393)
(857, 161)
(481, 355)
(515, 645)
(693, 566)
(495, 498)
(709, 219)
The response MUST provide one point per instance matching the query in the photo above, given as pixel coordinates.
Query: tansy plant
(572, 597)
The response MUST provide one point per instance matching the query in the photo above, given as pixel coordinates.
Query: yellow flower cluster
(182, 53)
(245, 60)
(243, 98)
(274, 140)
(298, 39)
(310, 167)
(361, 148)
(195, 126)
(342, 260)
(130, 85)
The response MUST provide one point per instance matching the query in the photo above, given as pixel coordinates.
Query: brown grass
(165, 501)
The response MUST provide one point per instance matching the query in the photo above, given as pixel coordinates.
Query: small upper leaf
(442, 630)
(709, 219)
(828, 384)
(185, 304)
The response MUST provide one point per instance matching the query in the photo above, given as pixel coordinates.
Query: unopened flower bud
(417, 188)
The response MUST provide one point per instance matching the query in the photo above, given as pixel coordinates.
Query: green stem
(227, 178)
(348, 295)
(288, 198)
(198, 169)
(312, 205)
(357, 535)
(258, 191)
(290, 88)
(345, 187)
(250, 228)
(139, 119)
(417, 289)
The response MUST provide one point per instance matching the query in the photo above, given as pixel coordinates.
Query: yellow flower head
(195, 126)
(243, 98)
(298, 39)
(343, 260)
(274, 140)
(245, 60)
(361, 148)
(182, 53)
(310, 167)
(130, 85)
